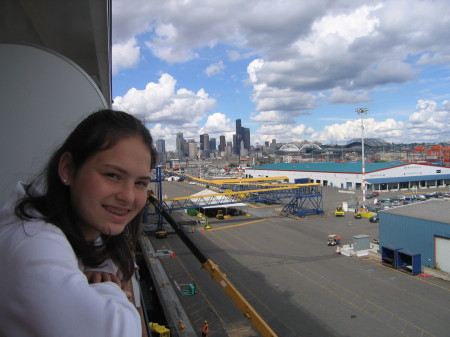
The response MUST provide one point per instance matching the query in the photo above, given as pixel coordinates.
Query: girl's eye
(142, 183)
(112, 175)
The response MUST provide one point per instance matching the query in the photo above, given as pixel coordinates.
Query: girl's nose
(126, 193)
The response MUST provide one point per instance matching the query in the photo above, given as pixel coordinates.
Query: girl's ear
(66, 168)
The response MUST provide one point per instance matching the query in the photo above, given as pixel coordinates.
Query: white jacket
(44, 293)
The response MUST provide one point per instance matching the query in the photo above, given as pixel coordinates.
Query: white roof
(224, 200)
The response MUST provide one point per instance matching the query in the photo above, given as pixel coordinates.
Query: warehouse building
(416, 235)
(389, 176)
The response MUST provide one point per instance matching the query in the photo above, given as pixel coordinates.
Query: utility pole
(363, 111)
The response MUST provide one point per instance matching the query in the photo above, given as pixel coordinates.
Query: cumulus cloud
(429, 121)
(162, 104)
(427, 124)
(342, 133)
(215, 68)
(125, 55)
(304, 53)
(217, 123)
(274, 99)
(283, 133)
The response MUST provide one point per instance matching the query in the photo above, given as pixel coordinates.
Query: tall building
(180, 145)
(193, 149)
(222, 143)
(273, 146)
(160, 151)
(212, 144)
(239, 137)
(204, 142)
(161, 146)
(229, 149)
(246, 138)
(242, 136)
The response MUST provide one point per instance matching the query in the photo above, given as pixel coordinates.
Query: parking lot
(298, 284)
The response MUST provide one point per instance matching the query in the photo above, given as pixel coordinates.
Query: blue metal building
(420, 228)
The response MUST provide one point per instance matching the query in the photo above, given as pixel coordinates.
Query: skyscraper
(180, 145)
(204, 142)
(242, 135)
(160, 151)
(222, 144)
(212, 144)
(246, 138)
(161, 146)
(193, 149)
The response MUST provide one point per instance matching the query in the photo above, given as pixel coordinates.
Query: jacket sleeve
(53, 297)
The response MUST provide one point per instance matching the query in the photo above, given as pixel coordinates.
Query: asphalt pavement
(297, 283)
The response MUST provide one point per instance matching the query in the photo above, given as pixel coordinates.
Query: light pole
(363, 111)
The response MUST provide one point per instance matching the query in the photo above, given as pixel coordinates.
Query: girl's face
(110, 188)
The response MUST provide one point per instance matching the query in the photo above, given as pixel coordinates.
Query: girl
(67, 238)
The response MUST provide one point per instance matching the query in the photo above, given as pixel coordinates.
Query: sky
(291, 70)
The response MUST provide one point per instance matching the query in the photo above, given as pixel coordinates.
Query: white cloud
(162, 45)
(283, 133)
(215, 68)
(161, 103)
(303, 51)
(125, 55)
(217, 123)
(342, 133)
(349, 26)
(429, 121)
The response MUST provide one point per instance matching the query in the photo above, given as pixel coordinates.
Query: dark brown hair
(98, 132)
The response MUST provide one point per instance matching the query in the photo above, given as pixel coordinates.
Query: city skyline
(240, 144)
(290, 70)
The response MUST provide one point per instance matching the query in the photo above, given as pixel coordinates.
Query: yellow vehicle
(219, 215)
(357, 215)
(160, 330)
(339, 212)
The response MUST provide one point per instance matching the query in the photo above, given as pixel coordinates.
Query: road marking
(243, 224)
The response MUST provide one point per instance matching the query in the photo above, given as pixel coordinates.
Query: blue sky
(290, 70)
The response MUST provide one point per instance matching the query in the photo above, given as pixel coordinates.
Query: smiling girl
(67, 236)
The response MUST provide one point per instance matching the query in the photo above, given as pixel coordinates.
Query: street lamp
(363, 111)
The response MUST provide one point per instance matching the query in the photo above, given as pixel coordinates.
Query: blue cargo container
(408, 262)
(389, 256)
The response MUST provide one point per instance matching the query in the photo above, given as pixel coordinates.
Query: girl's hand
(100, 276)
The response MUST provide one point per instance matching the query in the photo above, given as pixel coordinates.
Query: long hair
(98, 132)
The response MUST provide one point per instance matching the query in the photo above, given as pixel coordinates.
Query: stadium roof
(368, 142)
(289, 148)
